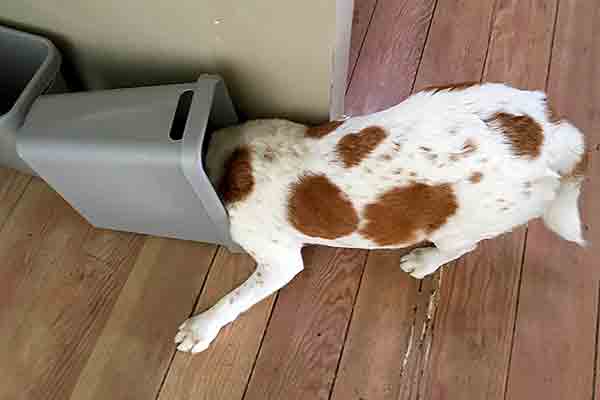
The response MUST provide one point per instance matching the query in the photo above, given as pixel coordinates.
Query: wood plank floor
(90, 314)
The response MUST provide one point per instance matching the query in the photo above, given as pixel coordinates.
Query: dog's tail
(566, 150)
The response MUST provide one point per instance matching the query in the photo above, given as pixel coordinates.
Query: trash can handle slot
(181, 115)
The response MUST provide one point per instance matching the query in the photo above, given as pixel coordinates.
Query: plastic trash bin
(29, 64)
(132, 159)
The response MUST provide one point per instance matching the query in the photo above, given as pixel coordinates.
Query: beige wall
(279, 57)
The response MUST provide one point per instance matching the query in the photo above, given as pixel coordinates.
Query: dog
(450, 166)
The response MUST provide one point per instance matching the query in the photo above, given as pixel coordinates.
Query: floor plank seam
(516, 314)
(16, 203)
(165, 375)
(425, 360)
(46, 224)
(526, 233)
(411, 336)
(594, 376)
(489, 41)
(260, 346)
(552, 45)
(347, 330)
(196, 301)
(205, 281)
(362, 43)
(429, 327)
(412, 87)
(410, 379)
(103, 299)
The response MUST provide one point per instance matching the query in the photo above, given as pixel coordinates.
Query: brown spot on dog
(398, 171)
(524, 134)
(450, 87)
(238, 181)
(397, 146)
(318, 208)
(385, 157)
(476, 177)
(355, 147)
(317, 132)
(400, 215)
(412, 173)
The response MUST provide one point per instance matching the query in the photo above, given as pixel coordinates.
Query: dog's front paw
(197, 333)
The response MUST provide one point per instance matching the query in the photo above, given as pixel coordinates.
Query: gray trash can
(132, 159)
(29, 65)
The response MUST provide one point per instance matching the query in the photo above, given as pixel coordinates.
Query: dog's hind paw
(415, 263)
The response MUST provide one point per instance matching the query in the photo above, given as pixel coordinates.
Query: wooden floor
(90, 314)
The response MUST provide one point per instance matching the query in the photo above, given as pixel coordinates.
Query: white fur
(562, 216)
(513, 189)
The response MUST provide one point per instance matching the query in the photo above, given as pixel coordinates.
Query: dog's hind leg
(276, 266)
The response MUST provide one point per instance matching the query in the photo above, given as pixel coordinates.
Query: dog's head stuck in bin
(447, 168)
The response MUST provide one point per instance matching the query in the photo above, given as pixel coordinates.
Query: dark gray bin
(29, 65)
(110, 155)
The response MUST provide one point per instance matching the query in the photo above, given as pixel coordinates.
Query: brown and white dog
(450, 165)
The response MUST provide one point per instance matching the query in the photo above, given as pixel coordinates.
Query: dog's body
(451, 166)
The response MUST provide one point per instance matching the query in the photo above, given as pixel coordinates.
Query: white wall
(277, 56)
